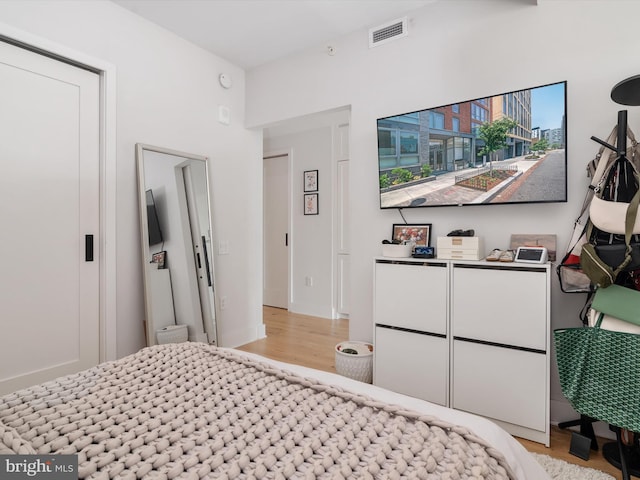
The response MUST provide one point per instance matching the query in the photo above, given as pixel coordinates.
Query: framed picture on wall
(311, 181)
(419, 234)
(311, 204)
(159, 259)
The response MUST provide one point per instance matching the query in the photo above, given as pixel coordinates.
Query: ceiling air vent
(387, 32)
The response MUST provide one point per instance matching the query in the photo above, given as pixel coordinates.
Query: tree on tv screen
(494, 135)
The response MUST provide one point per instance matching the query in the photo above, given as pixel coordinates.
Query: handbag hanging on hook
(570, 273)
(613, 245)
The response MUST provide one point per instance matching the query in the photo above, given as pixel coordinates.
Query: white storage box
(172, 334)
(355, 360)
(396, 251)
(460, 248)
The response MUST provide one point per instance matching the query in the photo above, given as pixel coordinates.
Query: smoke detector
(389, 31)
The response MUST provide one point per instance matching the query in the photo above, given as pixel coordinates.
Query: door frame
(107, 113)
(288, 152)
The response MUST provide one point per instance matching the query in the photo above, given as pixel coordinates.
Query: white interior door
(276, 231)
(49, 202)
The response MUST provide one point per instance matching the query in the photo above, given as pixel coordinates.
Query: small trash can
(355, 360)
(172, 334)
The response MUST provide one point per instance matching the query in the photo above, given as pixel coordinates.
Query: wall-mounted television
(153, 224)
(508, 148)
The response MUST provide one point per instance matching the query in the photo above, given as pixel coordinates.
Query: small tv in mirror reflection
(502, 149)
(153, 224)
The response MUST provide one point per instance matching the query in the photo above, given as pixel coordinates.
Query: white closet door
(49, 201)
(276, 231)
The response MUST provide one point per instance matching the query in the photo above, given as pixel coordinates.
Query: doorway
(314, 264)
(277, 238)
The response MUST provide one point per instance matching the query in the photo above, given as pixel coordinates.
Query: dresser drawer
(412, 296)
(412, 364)
(500, 383)
(502, 305)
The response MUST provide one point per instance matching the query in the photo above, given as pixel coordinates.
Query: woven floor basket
(355, 360)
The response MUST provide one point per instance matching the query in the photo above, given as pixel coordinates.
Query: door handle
(206, 260)
(286, 239)
(88, 248)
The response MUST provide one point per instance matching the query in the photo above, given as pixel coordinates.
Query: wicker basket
(355, 360)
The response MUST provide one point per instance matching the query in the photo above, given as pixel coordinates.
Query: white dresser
(471, 335)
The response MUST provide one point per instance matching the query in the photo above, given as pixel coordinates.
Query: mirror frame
(150, 328)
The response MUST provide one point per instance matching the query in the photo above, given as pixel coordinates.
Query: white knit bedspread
(193, 411)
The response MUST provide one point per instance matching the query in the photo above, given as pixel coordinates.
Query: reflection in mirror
(175, 226)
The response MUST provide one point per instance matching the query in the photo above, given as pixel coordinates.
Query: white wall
(458, 51)
(167, 95)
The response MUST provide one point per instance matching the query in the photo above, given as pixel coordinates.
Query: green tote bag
(600, 371)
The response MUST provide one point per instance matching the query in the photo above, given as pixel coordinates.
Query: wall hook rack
(621, 148)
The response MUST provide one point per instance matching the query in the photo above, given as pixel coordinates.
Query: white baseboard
(243, 336)
(311, 309)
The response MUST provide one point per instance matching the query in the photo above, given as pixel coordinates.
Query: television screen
(506, 148)
(155, 234)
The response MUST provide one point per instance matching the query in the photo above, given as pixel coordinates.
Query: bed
(191, 410)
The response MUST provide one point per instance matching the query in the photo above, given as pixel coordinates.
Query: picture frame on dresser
(535, 240)
(416, 233)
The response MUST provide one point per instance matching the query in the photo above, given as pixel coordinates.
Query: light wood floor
(310, 341)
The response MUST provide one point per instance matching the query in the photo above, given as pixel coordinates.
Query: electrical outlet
(308, 281)
(223, 247)
(223, 303)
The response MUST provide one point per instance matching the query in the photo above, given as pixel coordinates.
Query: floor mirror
(176, 241)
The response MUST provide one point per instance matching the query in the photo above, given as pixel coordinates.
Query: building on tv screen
(507, 148)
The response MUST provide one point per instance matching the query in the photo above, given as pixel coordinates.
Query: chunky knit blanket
(190, 410)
